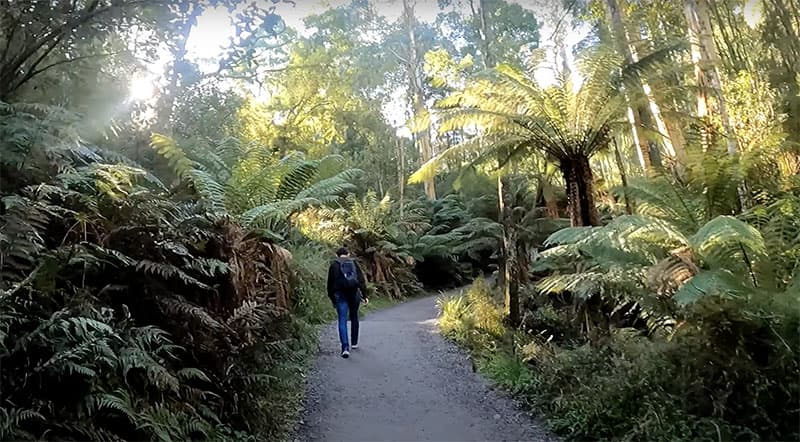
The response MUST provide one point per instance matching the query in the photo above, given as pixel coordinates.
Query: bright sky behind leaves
(213, 32)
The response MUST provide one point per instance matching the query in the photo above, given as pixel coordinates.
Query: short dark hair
(342, 251)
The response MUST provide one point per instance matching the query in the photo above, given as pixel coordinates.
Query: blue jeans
(345, 307)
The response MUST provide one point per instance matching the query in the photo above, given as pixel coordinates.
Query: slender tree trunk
(706, 59)
(508, 264)
(416, 94)
(483, 33)
(640, 117)
(642, 148)
(511, 266)
(578, 176)
(624, 177)
(401, 174)
(167, 101)
(503, 256)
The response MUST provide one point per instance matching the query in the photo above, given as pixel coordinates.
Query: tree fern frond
(210, 191)
(726, 242)
(571, 235)
(719, 283)
(584, 284)
(331, 189)
(192, 373)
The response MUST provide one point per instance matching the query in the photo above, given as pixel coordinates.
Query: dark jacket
(334, 272)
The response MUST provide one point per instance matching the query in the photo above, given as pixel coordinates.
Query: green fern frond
(119, 401)
(169, 149)
(726, 242)
(332, 188)
(571, 235)
(11, 420)
(583, 285)
(718, 283)
(661, 198)
(210, 267)
(168, 271)
(189, 373)
(211, 192)
(296, 179)
(178, 306)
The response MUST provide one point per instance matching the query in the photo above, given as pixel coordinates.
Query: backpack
(348, 276)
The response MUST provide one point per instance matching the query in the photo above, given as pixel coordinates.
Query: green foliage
(309, 277)
(128, 315)
(259, 189)
(473, 319)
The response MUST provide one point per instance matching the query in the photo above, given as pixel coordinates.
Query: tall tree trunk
(639, 116)
(416, 94)
(401, 174)
(786, 44)
(508, 264)
(508, 272)
(511, 266)
(502, 255)
(577, 173)
(706, 59)
(483, 33)
(166, 102)
(642, 148)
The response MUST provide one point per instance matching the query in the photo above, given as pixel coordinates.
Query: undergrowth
(633, 387)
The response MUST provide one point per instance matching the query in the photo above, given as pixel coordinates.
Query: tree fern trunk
(578, 176)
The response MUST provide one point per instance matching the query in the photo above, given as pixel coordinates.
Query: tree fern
(261, 190)
(712, 283)
(726, 242)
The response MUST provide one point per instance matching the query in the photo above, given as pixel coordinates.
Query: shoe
(354, 347)
(346, 354)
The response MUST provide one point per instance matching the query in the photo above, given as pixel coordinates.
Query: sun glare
(141, 88)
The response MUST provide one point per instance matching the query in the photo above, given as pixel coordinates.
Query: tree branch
(70, 60)
(31, 69)
(403, 60)
(10, 38)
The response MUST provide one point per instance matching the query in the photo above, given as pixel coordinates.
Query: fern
(726, 242)
(168, 271)
(210, 267)
(714, 283)
(170, 150)
(11, 420)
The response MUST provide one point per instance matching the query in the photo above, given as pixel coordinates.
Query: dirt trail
(406, 383)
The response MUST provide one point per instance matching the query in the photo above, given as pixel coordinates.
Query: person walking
(346, 289)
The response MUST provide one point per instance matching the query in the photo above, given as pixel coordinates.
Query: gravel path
(406, 383)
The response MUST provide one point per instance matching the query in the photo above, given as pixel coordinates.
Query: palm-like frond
(263, 191)
(509, 112)
(726, 242)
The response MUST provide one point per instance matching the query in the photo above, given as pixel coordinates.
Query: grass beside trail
(627, 386)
